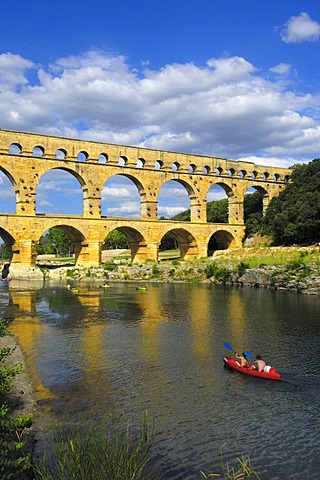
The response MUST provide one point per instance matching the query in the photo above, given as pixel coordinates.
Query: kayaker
(243, 359)
(259, 363)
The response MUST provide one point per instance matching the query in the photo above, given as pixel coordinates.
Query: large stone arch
(187, 243)
(8, 240)
(80, 179)
(140, 189)
(137, 243)
(264, 194)
(195, 209)
(220, 240)
(228, 191)
(77, 237)
(11, 179)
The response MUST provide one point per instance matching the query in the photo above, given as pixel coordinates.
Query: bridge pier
(141, 253)
(24, 253)
(87, 254)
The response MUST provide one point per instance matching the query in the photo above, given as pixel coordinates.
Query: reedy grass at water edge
(92, 453)
(243, 471)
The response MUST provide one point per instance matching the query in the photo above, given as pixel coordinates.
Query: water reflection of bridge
(43, 319)
(25, 158)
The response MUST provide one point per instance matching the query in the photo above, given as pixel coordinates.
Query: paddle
(247, 354)
(228, 346)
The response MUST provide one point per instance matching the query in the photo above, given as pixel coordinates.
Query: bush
(110, 266)
(13, 460)
(221, 274)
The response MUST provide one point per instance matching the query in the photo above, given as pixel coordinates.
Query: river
(123, 351)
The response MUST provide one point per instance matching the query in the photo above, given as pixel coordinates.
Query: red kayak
(249, 370)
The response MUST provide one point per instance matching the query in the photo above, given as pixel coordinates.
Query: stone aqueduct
(25, 157)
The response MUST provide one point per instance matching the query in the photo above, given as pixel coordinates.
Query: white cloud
(226, 108)
(281, 69)
(300, 29)
(131, 209)
(117, 192)
(45, 203)
(169, 212)
(12, 71)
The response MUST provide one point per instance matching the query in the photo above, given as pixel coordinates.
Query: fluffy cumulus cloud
(300, 29)
(226, 107)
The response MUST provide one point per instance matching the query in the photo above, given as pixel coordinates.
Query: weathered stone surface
(22, 230)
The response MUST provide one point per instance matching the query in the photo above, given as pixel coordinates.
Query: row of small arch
(61, 154)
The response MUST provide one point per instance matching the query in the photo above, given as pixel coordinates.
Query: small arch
(61, 154)
(231, 172)
(82, 156)
(243, 173)
(15, 149)
(265, 176)
(103, 158)
(158, 164)
(286, 178)
(122, 161)
(254, 174)
(276, 177)
(175, 166)
(206, 170)
(192, 168)
(38, 151)
(219, 171)
(141, 162)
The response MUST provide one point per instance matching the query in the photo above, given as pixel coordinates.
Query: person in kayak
(259, 364)
(242, 359)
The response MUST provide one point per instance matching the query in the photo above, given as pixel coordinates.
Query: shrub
(13, 460)
(241, 268)
(221, 274)
(110, 266)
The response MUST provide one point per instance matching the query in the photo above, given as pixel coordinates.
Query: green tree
(252, 206)
(115, 239)
(55, 241)
(4, 252)
(168, 242)
(294, 216)
(217, 212)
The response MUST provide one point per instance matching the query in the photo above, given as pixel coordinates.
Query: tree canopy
(294, 216)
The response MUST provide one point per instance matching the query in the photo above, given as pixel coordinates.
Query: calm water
(124, 351)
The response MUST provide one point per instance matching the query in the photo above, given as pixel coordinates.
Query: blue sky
(230, 78)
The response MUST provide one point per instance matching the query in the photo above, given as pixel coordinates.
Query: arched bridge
(26, 157)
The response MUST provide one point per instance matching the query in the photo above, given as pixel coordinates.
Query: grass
(242, 471)
(93, 453)
(269, 256)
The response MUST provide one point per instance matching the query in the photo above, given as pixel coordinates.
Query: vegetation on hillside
(294, 216)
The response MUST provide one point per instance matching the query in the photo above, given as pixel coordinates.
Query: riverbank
(20, 399)
(288, 268)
